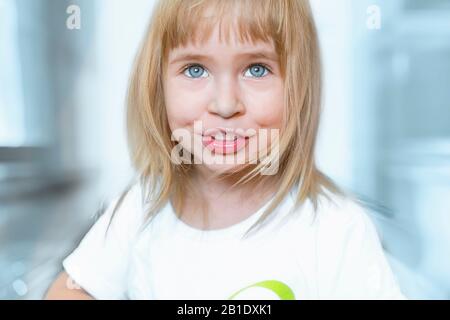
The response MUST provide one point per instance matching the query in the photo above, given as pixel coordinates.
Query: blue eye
(195, 71)
(257, 71)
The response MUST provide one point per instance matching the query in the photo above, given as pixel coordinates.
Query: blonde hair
(290, 25)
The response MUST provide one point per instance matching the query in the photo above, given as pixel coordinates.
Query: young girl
(223, 112)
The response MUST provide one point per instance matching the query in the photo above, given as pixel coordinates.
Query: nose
(226, 102)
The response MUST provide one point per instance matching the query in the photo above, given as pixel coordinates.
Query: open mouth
(225, 146)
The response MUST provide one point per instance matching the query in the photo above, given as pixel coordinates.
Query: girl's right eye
(195, 71)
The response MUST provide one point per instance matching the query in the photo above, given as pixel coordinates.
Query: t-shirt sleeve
(352, 261)
(99, 264)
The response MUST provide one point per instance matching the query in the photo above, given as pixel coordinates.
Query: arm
(64, 288)
(98, 267)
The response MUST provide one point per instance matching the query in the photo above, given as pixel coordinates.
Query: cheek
(183, 106)
(266, 107)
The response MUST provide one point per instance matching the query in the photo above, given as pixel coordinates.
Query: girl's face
(222, 93)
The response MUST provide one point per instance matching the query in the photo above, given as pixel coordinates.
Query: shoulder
(341, 217)
(351, 257)
(125, 212)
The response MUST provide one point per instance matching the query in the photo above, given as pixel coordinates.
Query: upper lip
(229, 133)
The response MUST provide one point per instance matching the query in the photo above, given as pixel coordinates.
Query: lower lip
(224, 147)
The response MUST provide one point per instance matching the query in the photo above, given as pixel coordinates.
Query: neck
(225, 205)
(211, 187)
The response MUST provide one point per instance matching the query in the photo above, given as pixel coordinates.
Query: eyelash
(185, 68)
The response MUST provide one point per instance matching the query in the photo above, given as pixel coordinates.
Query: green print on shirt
(278, 287)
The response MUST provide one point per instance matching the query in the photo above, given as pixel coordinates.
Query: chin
(219, 168)
(225, 167)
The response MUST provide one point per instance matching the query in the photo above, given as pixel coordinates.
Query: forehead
(216, 43)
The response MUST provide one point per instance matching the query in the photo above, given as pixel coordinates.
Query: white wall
(120, 27)
(333, 19)
(11, 104)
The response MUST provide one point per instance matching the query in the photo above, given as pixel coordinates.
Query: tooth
(225, 137)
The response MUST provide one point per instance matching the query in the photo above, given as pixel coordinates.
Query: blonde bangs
(193, 21)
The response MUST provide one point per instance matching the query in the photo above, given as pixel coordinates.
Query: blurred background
(385, 131)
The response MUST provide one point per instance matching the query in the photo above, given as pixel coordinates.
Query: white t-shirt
(336, 256)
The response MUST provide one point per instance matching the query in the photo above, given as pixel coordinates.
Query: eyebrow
(249, 55)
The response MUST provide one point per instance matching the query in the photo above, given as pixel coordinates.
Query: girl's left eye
(257, 71)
